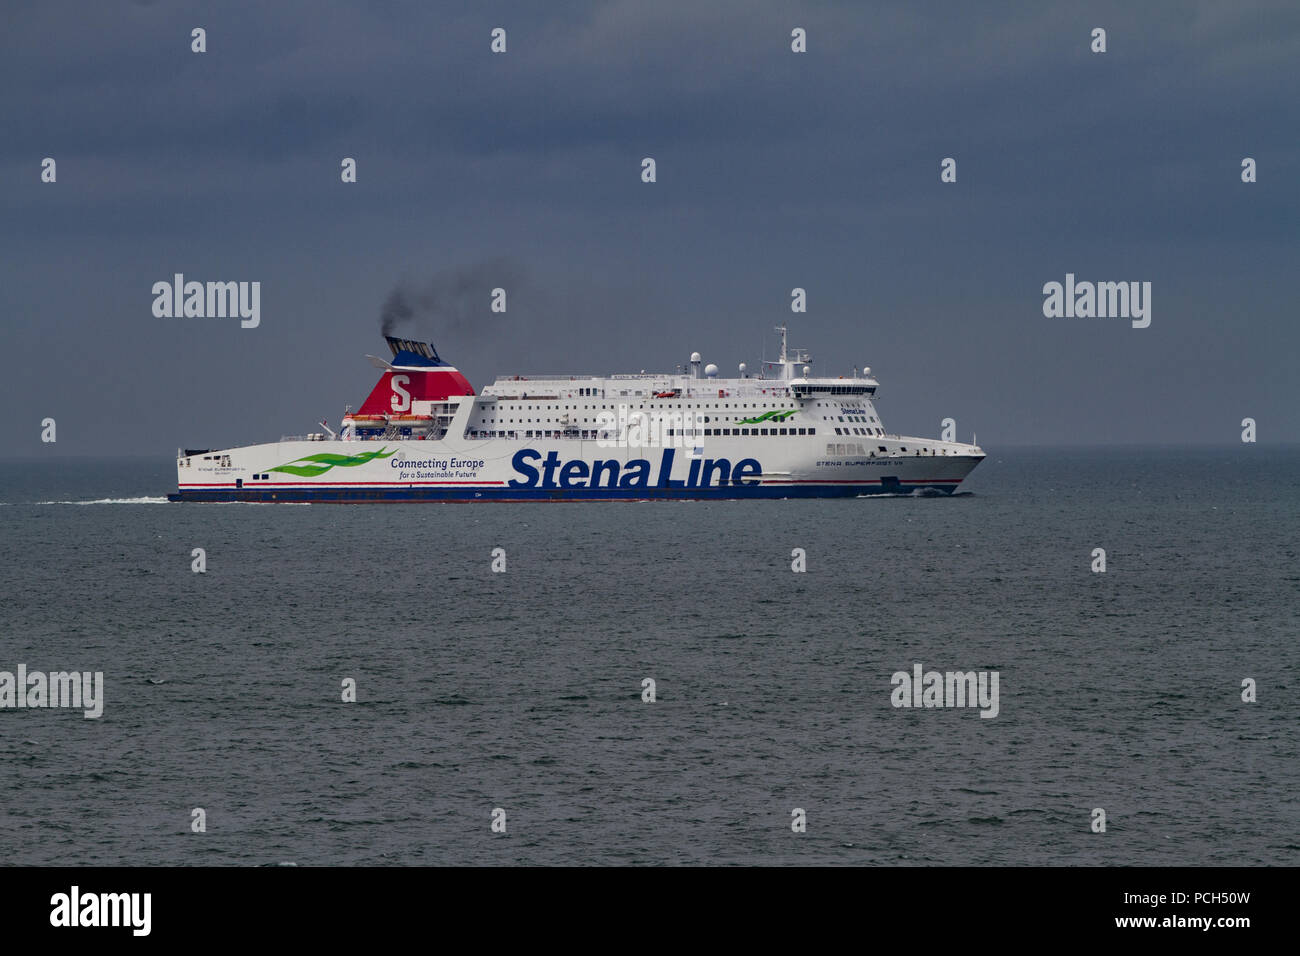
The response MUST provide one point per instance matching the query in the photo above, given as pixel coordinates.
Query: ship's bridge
(824, 387)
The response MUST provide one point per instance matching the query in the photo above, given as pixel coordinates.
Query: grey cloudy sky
(775, 170)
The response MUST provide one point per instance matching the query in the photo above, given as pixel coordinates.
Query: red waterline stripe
(487, 484)
(864, 481)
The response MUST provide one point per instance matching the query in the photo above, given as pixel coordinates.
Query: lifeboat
(373, 421)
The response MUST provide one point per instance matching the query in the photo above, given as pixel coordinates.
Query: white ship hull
(425, 435)
(511, 470)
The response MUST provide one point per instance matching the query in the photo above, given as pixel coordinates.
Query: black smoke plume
(456, 300)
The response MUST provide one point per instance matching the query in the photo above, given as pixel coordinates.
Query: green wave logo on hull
(767, 417)
(324, 462)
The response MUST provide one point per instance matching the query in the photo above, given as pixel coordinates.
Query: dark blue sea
(522, 690)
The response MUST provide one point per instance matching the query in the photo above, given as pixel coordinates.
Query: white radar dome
(710, 370)
(742, 368)
(695, 356)
(806, 370)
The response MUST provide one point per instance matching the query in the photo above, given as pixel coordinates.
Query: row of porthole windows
(675, 407)
(529, 421)
(720, 432)
(839, 449)
(597, 433)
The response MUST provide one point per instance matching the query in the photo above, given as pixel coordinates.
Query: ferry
(424, 434)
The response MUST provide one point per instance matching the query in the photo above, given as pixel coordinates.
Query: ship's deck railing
(675, 379)
(507, 379)
(705, 390)
(622, 377)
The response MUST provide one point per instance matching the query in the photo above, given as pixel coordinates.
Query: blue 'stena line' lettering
(611, 473)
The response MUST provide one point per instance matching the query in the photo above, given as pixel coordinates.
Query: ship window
(785, 431)
(882, 447)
